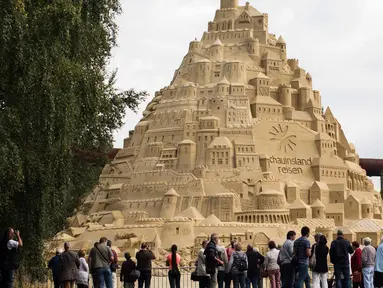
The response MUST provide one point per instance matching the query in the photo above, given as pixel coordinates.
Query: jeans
(6, 278)
(221, 278)
(174, 279)
(275, 278)
(368, 277)
(103, 276)
(260, 282)
(145, 276)
(204, 282)
(252, 281)
(302, 275)
(228, 280)
(239, 280)
(340, 270)
(287, 275)
(320, 280)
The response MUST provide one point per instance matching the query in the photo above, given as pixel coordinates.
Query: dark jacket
(339, 251)
(69, 264)
(211, 254)
(126, 269)
(255, 260)
(54, 265)
(144, 260)
(321, 253)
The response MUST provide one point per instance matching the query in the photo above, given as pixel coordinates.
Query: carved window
(213, 161)
(227, 161)
(177, 230)
(220, 161)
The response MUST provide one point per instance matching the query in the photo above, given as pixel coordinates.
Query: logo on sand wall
(286, 140)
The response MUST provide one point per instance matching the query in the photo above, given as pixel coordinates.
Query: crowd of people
(289, 266)
(215, 265)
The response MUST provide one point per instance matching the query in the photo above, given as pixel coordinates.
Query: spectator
(260, 279)
(113, 265)
(302, 251)
(204, 278)
(320, 270)
(144, 265)
(211, 259)
(173, 261)
(312, 257)
(356, 266)
(378, 276)
(272, 266)
(127, 269)
(83, 272)
(286, 255)
(54, 265)
(100, 257)
(229, 252)
(340, 251)
(238, 266)
(221, 251)
(368, 263)
(69, 264)
(9, 256)
(255, 260)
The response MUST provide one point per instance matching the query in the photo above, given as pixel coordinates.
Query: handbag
(135, 274)
(194, 276)
(264, 273)
(357, 277)
(313, 259)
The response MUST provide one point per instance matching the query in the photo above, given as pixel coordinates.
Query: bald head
(66, 246)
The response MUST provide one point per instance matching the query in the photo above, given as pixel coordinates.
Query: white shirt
(271, 260)
(12, 244)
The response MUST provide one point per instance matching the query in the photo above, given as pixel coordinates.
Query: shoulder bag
(313, 259)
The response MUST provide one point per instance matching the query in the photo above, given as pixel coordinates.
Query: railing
(159, 279)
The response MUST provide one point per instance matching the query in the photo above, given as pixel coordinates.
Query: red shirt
(229, 251)
(169, 259)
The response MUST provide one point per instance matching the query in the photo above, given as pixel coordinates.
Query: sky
(340, 43)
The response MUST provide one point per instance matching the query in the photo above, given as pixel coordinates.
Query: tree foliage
(56, 98)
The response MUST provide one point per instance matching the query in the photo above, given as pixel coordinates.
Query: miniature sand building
(239, 134)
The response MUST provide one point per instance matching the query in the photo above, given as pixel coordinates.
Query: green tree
(57, 100)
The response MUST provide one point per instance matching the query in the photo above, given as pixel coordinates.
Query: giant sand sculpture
(238, 144)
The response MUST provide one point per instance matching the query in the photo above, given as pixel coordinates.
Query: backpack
(240, 261)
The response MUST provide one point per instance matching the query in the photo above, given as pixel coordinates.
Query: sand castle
(238, 144)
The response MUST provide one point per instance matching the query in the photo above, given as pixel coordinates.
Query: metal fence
(159, 279)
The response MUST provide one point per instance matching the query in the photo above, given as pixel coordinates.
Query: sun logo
(286, 140)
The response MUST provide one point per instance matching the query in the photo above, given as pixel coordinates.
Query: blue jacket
(54, 265)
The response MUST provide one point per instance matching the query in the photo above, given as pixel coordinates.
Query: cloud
(338, 42)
